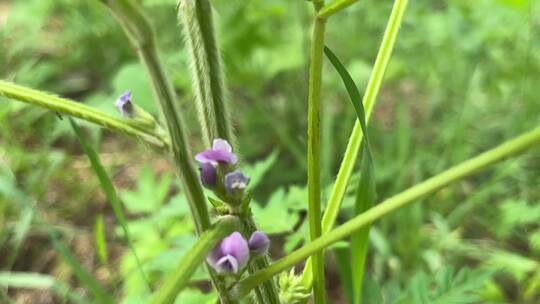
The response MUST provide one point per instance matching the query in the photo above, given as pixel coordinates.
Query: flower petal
(227, 264)
(236, 246)
(221, 144)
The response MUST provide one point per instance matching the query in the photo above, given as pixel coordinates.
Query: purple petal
(259, 243)
(124, 103)
(221, 144)
(236, 181)
(216, 156)
(236, 246)
(214, 256)
(208, 175)
(227, 264)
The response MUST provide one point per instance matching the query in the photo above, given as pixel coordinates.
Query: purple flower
(208, 175)
(231, 255)
(124, 104)
(221, 152)
(236, 182)
(259, 243)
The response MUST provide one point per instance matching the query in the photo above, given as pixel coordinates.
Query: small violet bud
(231, 255)
(259, 243)
(125, 104)
(208, 175)
(221, 152)
(236, 182)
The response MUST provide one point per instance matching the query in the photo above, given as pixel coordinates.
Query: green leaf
(365, 193)
(150, 194)
(273, 217)
(257, 171)
(110, 192)
(101, 242)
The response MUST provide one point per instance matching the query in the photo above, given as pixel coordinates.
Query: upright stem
(353, 147)
(314, 178)
(504, 151)
(141, 35)
(210, 93)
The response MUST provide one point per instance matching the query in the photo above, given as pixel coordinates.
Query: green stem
(187, 265)
(210, 92)
(196, 16)
(314, 147)
(353, 147)
(504, 151)
(72, 108)
(141, 35)
(267, 293)
(335, 7)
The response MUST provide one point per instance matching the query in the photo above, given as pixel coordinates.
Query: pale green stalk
(187, 265)
(314, 151)
(504, 151)
(65, 106)
(334, 7)
(353, 147)
(210, 93)
(141, 34)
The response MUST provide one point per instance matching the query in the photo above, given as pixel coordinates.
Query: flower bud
(208, 175)
(259, 243)
(124, 104)
(236, 182)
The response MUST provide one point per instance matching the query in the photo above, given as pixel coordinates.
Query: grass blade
(365, 193)
(110, 192)
(101, 242)
(34, 280)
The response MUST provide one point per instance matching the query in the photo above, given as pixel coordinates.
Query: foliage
(460, 81)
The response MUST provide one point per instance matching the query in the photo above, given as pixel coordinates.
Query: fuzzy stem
(72, 108)
(509, 149)
(314, 179)
(141, 35)
(351, 153)
(210, 92)
(206, 71)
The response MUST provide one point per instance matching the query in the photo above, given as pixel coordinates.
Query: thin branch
(509, 149)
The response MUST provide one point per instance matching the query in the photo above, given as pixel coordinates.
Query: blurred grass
(463, 78)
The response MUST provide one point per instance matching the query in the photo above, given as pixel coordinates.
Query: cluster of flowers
(233, 253)
(218, 174)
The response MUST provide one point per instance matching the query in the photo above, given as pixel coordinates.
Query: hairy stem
(206, 71)
(351, 153)
(314, 151)
(210, 92)
(504, 151)
(141, 35)
(65, 106)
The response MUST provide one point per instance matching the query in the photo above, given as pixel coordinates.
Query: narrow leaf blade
(365, 195)
(110, 192)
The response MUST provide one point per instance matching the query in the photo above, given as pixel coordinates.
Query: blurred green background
(463, 78)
